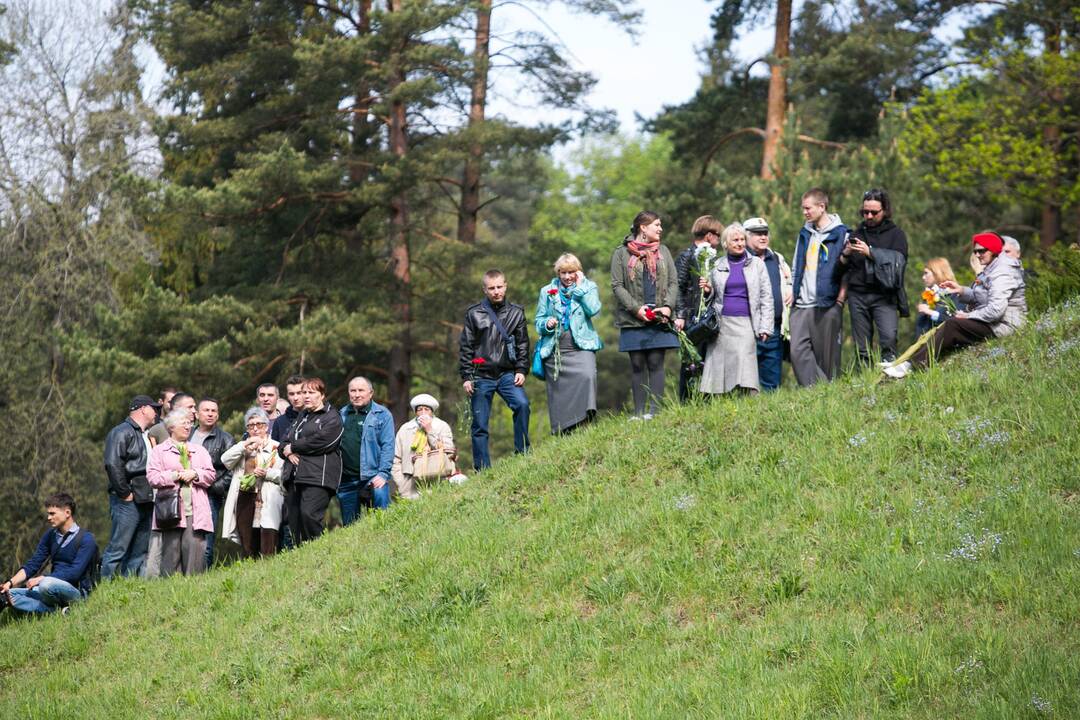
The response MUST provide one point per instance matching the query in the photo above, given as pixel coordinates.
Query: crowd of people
(729, 302)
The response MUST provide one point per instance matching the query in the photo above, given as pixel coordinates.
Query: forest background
(317, 186)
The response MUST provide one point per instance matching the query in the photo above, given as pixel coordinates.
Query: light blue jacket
(585, 303)
(376, 442)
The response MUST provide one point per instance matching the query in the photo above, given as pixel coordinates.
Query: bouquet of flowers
(553, 295)
(935, 296)
(686, 348)
(703, 265)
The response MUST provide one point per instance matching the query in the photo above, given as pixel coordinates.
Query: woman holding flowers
(181, 466)
(253, 506)
(935, 308)
(568, 344)
(996, 306)
(693, 263)
(646, 288)
(741, 294)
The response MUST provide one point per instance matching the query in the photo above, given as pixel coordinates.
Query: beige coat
(402, 470)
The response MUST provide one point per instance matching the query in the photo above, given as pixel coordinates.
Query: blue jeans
(216, 504)
(352, 490)
(484, 390)
(129, 539)
(770, 359)
(48, 595)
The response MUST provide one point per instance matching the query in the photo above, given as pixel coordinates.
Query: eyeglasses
(871, 213)
(253, 425)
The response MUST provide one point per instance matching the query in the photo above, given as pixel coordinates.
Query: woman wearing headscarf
(253, 504)
(646, 288)
(996, 306)
(423, 434)
(741, 294)
(568, 344)
(177, 464)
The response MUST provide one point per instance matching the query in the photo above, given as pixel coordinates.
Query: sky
(661, 66)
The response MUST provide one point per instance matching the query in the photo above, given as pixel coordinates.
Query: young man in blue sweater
(71, 551)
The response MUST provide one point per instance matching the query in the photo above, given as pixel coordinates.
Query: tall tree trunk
(774, 118)
(470, 179)
(400, 375)
(1050, 225)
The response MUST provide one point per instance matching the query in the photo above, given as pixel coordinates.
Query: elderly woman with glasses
(253, 505)
(996, 306)
(177, 464)
(422, 436)
(740, 292)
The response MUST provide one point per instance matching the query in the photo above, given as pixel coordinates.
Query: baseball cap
(142, 401)
(756, 223)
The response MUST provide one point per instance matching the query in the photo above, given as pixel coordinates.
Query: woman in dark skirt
(646, 287)
(568, 344)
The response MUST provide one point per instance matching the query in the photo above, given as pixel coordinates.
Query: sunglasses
(979, 251)
(871, 213)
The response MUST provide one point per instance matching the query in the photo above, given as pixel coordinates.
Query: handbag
(537, 368)
(704, 329)
(433, 464)
(167, 508)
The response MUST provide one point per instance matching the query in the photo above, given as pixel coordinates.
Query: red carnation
(478, 361)
(650, 314)
(553, 291)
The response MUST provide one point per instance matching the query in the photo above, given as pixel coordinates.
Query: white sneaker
(457, 479)
(636, 417)
(647, 416)
(898, 372)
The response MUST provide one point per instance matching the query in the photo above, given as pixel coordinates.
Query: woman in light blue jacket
(568, 344)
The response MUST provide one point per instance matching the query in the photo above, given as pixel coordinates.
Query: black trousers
(870, 310)
(954, 333)
(307, 510)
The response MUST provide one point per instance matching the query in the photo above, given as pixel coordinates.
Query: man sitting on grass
(72, 551)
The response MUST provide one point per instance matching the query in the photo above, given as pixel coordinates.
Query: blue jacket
(584, 304)
(376, 442)
(70, 563)
(828, 256)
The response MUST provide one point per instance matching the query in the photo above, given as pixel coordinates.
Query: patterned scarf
(648, 250)
(564, 295)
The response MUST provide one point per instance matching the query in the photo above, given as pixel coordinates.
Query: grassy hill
(860, 550)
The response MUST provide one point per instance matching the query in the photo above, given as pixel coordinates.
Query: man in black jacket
(872, 304)
(493, 359)
(706, 236)
(130, 500)
(215, 441)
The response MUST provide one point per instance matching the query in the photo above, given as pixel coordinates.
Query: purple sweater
(736, 296)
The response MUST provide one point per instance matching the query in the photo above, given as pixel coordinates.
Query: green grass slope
(861, 550)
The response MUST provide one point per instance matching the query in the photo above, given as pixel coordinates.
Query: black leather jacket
(481, 339)
(686, 306)
(316, 439)
(217, 442)
(125, 462)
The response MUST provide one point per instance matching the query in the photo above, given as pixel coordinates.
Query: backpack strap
(511, 352)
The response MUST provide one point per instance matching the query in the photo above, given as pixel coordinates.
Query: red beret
(990, 241)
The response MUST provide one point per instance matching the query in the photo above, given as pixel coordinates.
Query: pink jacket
(165, 460)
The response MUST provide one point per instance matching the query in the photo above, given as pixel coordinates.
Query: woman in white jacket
(741, 295)
(252, 514)
(424, 433)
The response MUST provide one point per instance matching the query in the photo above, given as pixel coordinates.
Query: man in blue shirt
(367, 452)
(71, 551)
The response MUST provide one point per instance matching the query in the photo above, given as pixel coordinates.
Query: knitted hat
(989, 240)
(426, 400)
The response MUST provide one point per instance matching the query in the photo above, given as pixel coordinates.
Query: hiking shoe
(64, 610)
(899, 372)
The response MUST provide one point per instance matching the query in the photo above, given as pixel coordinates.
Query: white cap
(755, 224)
(424, 399)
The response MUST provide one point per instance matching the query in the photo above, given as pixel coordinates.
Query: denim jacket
(376, 442)
(584, 304)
